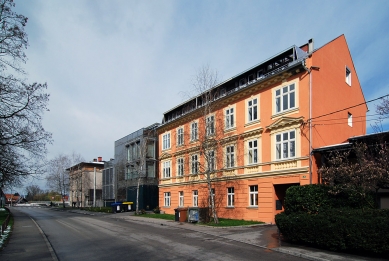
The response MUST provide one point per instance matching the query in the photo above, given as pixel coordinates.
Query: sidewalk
(27, 241)
(264, 236)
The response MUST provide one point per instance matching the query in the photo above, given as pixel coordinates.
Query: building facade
(135, 163)
(252, 135)
(85, 183)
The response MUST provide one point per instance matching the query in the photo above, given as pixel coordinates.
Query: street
(74, 236)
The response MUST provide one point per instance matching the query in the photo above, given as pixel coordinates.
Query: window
(230, 156)
(348, 76)
(252, 106)
(253, 151)
(181, 198)
(210, 125)
(166, 141)
(195, 197)
(230, 197)
(195, 164)
(180, 136)
(166, 197)
(150, 149)
(285, 145)
(229, 118)
(253, 194)
(180, 167)
(194, 132)
(285, 98)
(211, 160)
(350, 119)
(150, 168)
(166, 169)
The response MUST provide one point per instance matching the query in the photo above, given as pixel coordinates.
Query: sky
(115, 66)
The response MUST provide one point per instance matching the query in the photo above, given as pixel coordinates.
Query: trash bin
(127, 206)
(176, 214)
(116, 207)
(180, 214)
(193, 215)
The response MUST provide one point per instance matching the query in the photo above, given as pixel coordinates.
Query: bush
(363, 231)
(313, 199)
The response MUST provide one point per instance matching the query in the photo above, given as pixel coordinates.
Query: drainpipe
(94, 188)
(309, 70)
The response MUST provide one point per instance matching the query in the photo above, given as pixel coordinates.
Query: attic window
(348, 76)
(260, 74)
(251, 78)
(242, 82)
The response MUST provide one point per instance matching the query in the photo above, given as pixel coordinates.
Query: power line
(387, 95)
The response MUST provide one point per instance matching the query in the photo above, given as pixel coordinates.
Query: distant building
(135, 161)
(85, 183)
(260, 132)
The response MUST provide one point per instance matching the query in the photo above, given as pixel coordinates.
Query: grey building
(135, 163)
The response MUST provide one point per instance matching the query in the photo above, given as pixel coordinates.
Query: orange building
(252, 136)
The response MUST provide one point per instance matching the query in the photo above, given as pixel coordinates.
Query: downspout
(309, 70)
(94, 188)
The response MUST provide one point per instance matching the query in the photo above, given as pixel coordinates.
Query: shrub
(315, 198)
(364, 231)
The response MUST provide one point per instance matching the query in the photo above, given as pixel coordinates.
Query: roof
(352, 140)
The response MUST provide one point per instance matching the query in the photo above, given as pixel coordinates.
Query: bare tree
(362, 169)
(382, 109)
(22, 137)
(211, 140)
(33, 191)
(58, 178)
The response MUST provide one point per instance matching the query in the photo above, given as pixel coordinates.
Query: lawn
(222, 221)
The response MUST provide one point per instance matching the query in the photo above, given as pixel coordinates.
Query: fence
(5, 223)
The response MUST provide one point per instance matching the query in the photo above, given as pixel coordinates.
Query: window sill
(230, 207)
(252, 123)
(165, 206)
(252, 207)
(279, 114)
(230, 129)
(165, 178)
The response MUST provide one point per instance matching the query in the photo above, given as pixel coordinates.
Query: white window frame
(285, 145)
(194, 131)
(349, 119)
(180, 136)
(194, 164)
(253, 195)
(230, 123)
(195, 198)
(180, 167)
(211, 162)
(230, 156)
(166, 196)
(230, 197)
(283, 98)
(348, 76)
(252, 110)
(166, 169)
(252, 151)
(166, 141)
(210, 125)
(181, 198)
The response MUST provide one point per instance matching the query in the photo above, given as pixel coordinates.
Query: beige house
(85, 183)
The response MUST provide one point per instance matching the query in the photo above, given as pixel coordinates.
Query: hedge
(362, 231)
(315, 198)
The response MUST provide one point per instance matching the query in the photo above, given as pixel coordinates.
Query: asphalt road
(103, 237)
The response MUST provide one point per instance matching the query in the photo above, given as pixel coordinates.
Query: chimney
(310, 45)
(94, 160)
(100, 159)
